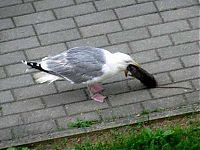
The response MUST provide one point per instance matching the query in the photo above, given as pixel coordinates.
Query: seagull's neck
(112, 61)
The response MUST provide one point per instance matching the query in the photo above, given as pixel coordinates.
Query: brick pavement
(162, 35)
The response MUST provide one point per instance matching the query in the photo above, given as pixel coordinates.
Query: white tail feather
(42, 77)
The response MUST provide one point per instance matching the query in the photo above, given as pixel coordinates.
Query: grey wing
(78, 65)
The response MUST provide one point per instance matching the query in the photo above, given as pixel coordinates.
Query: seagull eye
(128, 61)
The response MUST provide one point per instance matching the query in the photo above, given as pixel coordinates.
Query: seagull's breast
(110, 68)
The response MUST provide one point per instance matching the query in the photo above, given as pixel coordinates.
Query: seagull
(90, 66)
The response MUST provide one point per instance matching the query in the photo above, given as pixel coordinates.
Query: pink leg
(95, 88)
(95, 91)
(98, 97)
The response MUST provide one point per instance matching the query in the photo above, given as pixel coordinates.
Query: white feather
(42, 77)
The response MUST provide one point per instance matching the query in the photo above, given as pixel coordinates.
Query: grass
(182, 133)
(80, 123)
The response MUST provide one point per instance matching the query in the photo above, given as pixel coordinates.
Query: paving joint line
(54, 14)
(118, 19)
(43, 103)
(78, 29)
(189, 23)
(33, 6)
(158, 11)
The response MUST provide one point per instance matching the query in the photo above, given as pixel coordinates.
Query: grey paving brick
(146, 56)
(40, 52)
(16, 33)
(129, 35)
(118, 48)
(60, 36)
(134, 10)
(171, 4)
(102, 28)
(127, 110)
(9, 121)
(43, 114)
(196, 84)
(55, 26)
(4, 3)
(185, 74)
(6, 23)
(17, 69)
(121, 111)
(5, 134)
(194, 22)
(107, 114)
(170, 27)
(157, 93)
(164, 103)
(63, 122)
(66, 86)
(49, 4)
(14, 82)
(187, 36)
(115, 88)
(11, 58)
(95, 18)
(22, 106)
(150, 43)
(2, 73)
(162, 78)
(72, 10)
(64, 98)
(130, 97)
(141, 21)
(135, 84)
(85, 106)
(34, 91)
(180, 13)
(179, 50)
(193, 97)
(16, 10)
(6, 96)
(191, 60)
(34, 18)
(163, 66)
(19, 44)
(107, 4)
(97, 41)
(34, 128)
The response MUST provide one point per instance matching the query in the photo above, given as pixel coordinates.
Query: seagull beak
(136, 64)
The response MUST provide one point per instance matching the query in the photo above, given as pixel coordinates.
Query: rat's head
(146, 78)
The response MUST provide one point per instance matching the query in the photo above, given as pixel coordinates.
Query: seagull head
(123, 61)
(133, 69)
